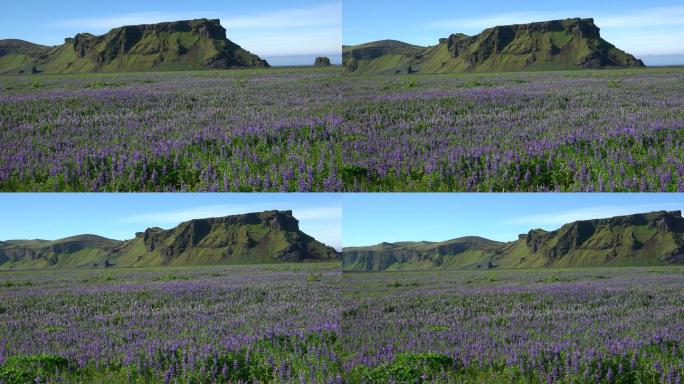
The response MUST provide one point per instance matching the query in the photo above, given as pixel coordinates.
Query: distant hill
(461, 253)
(655, 238)
(254, 238)
(19, 56)
(557, 44)
(179, 45)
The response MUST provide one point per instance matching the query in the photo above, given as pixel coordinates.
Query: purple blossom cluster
(207, 131)
(221, 324)
(583, 326)
(309, 324)
(316, 130)
(545, 131)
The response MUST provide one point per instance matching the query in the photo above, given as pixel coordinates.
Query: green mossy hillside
(253, 238)
(655, 238)
(549, 45)
(180, 45)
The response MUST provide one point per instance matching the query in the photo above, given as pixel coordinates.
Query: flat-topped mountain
(253, 238)
(557, 44)
(655, 238)
(179, 45)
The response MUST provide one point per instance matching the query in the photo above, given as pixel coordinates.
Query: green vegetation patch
(23, 369)
(405, 368)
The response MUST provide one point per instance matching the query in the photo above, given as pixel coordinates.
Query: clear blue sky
(119, 216)
(373, 218)
(282, 31)
(650, 29)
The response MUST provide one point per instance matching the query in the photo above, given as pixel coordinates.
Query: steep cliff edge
(253, 238)
(556, 44)
(179, 45)
(655, 238)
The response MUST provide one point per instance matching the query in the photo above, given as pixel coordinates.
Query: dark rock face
(14, 254)
(608, 237)
(555, 44)
(654, 238)
(574, 235)
(493, 41)
(384, 255)
(265, 237)
(172, 243)
(191, 44)
(322, 62)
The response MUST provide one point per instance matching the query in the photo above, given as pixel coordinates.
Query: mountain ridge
(555, 44)
(252, 238)
(653, 238)
(177, 45)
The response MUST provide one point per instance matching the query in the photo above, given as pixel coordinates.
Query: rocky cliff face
(43, 253)
(655, 238)
(322, 62)
(265, 237)
(556, 44)
(540, 42)
(178, 45)
(466, 252)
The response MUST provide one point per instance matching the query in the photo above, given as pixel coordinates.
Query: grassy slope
(224, 244)
(467, 259)
(607, 247)
(140, 57)
(83, 258)
(600, 250)
(437, 59)
(13, 63)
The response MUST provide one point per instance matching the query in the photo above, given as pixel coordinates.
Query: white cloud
(325, 40)
(290, 31)
(650, 17)
(174, 217)
(326, 234)
(651, 44)
(90, 24)
(604, 211)
(325, 15)
(322, 16)
(653, 17)
(318, 213)
(480, 23)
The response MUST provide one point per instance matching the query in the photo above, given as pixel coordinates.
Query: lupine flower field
(565, 326)
(310, 324)
(192, 325)
(317, 130)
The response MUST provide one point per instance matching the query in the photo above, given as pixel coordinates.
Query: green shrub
(406, 368)
(23, 369)
(314, 277)
(349, 173)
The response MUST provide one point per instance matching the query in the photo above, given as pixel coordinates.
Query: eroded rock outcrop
(253, 238)
(179, 45)
(655, 238)
(322, 62)
(556, 44)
